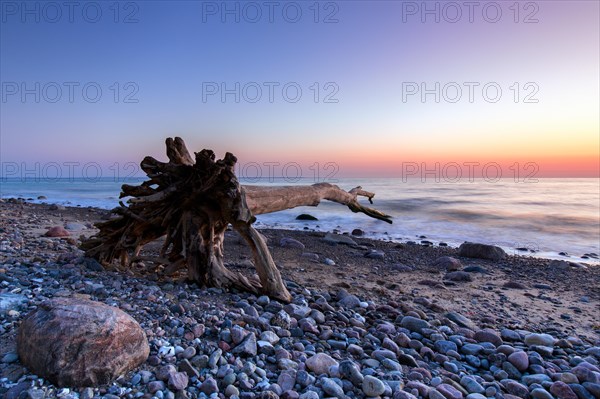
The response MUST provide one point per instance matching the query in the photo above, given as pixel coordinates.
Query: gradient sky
(172, 52)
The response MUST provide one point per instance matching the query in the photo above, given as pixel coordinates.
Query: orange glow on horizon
(380, 165)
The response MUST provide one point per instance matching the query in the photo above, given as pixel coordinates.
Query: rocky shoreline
(369, 319)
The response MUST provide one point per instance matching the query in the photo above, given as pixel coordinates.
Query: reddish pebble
(57, 231)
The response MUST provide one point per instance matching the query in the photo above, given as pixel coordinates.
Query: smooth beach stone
(458, 276)
(581, 392)
(594, 351)
(422, 389)
(231, 390)
(374, 254)
(515, 285)
(520, 360)
(481, 251)
(517, 389)
(310, 256)
(506, 349)
(287, 379)
(209, 386)
(449, 392)
(539, 340)
(569, 378)
(476, 269)
(381, 354)
(187, 367)
(461, 320)
(109, 342)
(305, 216)
(536, 379)
(545, 351)
(488, 335)
(304, 378)
(155, 386)
(414, 324)
(445, 346)
(511, 370)
(451, 367)
(178, 381)
(407, 360)
(434, 394)
(372, 386)
(335, 239)
(593, 388)
(10, 357)
(586, 375)
(589, 365)
(473, 361)
(270, 337)
(350, 371)
(435, 381)
(391, 364)
(399, 394)
(349, 301)
(320, 363)
(288, 242)
(471, 385)
(541, 393)
(189, 352)
(562, 391)
(332, 388)
(296, 311)
(510, 335)
(447, 263)
(57, 231)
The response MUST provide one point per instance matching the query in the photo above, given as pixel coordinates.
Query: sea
(554, 218)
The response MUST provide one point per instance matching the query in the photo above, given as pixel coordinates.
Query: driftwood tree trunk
(191, 202)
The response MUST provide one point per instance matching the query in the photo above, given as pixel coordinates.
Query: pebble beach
(368, 318)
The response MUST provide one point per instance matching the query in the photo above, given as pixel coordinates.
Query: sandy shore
(519, 293)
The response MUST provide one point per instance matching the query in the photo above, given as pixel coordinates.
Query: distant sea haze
(546, 217)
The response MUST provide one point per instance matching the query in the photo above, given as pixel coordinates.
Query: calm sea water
(548, 216)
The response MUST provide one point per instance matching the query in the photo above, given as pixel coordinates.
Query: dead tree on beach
(191, 202)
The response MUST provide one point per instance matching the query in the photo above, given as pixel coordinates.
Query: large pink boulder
(75, 342)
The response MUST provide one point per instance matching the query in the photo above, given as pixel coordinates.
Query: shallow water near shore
(546, 217)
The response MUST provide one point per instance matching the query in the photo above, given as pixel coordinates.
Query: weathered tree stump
(191, 203)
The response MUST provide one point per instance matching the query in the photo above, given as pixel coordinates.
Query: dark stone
(287, 242)
(481, 251)
(514, 285)
(92, 265)
(458, 276)
(475, 269)
(375, 254)
(562, 391)
(448, 263)
(305, 216)
(15, 391)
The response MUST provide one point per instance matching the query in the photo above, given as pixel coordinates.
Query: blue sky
(161, 57)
